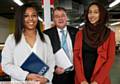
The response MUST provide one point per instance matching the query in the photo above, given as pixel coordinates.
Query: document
(62, 60)
(34, 64)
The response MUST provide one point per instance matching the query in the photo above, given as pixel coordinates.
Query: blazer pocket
(77, 53)
(103, 56)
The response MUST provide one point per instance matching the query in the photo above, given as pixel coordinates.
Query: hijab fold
(95, 36)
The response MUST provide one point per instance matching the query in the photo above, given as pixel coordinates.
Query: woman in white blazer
(27, 39)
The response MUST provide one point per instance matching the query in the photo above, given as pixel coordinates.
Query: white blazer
(13, 56)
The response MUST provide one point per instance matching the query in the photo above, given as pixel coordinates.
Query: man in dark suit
(62, 76)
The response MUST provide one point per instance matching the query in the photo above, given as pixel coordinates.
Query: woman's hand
(36, 77)
(94, 82)
(84, 82)
(59, 70)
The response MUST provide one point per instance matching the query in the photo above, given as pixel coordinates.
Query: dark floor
(115, 71)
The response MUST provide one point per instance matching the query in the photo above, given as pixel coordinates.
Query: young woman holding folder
(27, 39)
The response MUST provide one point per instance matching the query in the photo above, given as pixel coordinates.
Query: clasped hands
(37, 78)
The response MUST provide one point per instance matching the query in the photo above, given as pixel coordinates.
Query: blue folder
(33, 64)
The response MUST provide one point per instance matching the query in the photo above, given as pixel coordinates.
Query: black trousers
(65, 78)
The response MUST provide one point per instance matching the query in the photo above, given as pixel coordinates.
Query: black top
(89, 60)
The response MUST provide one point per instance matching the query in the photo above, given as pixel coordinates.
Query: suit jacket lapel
(100, 60)
(71, 34)
(56, 36)
(56, 39)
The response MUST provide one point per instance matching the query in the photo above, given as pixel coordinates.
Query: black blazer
(54, 38)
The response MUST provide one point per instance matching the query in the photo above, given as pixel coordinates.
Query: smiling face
(30, 19)
(60, 18)
(93, 14)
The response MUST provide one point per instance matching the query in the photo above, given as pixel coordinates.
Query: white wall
(116, 29)
(4, 29)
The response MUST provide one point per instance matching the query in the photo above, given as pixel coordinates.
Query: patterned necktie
(64, 42)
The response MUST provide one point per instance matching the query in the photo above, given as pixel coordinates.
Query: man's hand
(59, 70)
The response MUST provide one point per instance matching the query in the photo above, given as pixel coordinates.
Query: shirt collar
(59, 29)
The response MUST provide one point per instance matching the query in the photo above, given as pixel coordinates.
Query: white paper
(62, 60)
